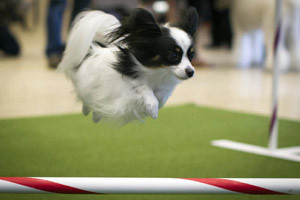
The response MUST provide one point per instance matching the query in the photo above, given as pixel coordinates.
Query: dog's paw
(96, 117)
(85, 110)
(152, 109)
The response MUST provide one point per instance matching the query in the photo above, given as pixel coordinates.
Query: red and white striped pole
(46, 185)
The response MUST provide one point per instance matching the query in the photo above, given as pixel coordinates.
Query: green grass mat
(177, 144)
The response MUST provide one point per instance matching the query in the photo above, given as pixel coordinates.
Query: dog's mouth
(181, 78)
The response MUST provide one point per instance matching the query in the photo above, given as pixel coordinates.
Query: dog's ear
(189, 21)
(140, 33)
(140, 24)
(142, 21)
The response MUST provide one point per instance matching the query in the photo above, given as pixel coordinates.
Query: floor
(29, 88)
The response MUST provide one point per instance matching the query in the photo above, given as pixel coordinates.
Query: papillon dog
(126, 70)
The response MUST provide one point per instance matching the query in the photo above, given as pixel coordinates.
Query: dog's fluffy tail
(88, 26)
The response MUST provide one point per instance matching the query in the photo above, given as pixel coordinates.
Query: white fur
(104, 91)
(86, 28)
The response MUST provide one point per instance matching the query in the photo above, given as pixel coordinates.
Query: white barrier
(150, 185)
(289, 153)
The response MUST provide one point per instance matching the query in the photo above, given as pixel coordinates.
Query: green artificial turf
(177, 144)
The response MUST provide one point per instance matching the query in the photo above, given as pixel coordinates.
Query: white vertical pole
(273, 138)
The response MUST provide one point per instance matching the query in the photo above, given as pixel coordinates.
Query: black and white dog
(124, 71)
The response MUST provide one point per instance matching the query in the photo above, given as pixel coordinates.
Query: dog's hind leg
(96, 117)
(85, 110)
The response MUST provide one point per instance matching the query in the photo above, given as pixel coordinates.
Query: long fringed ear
(140, 24)
(189, 21)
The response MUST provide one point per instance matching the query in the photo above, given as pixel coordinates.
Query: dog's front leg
(148, 100)
(162, 96)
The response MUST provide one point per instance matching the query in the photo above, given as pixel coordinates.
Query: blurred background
(233, 63)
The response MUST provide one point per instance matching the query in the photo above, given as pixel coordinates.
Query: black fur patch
(156, 52)
(141, 35)
(168, 48)
(100, 44)
(139, 25)
(126, 64)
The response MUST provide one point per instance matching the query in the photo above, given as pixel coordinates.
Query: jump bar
(76, 185)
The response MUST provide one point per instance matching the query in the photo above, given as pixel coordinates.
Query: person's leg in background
(216, 23)
(221, 33)
(8, 43)
(55, 46)
(79, 5)
(203, 9)
(227, 38)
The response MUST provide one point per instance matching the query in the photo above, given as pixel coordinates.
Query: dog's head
(154, 46)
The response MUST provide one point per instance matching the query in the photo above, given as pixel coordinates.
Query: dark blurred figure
(55, 46)
(217, 13)
(117, 8)
(204, 9)
(221, 31)
(10, 12)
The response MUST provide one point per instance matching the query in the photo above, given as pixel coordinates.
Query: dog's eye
(191, 55)
(174, 57)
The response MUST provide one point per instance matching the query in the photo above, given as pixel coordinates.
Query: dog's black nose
(189, 72)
